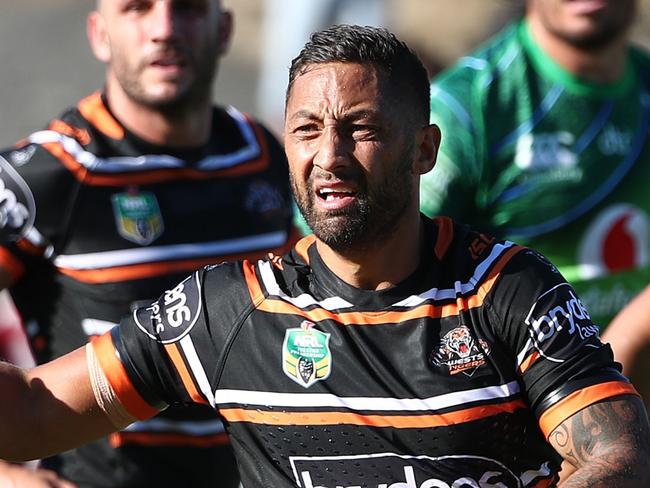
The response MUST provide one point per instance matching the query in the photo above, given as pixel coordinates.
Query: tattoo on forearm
(606, 442)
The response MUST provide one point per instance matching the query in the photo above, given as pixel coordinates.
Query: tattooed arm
(607, 444)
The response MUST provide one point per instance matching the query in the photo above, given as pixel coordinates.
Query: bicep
(62, 406)
(607, 443)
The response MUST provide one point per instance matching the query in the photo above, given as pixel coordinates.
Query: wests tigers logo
(460, 352)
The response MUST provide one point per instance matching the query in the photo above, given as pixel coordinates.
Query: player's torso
(132, 222)
(565, 174)
(329, 389)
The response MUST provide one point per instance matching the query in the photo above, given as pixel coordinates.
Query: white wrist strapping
(104, 393)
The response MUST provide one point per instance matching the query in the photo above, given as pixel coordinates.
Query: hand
(17, 476)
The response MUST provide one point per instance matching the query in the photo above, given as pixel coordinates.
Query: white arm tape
(104, 393)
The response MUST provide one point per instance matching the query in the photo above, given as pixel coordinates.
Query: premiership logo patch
(306, 355)
(138, 217)
(460, 353)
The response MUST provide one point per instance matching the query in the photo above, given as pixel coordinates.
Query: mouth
(586, 7)
(171, 63)
(335, 197)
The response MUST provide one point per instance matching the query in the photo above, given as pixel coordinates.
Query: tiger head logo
(459, 341)
(459, 352)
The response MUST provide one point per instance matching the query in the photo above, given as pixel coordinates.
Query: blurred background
(46, 64)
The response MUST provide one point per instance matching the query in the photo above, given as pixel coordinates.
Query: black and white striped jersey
(114, 220)
(454, 377)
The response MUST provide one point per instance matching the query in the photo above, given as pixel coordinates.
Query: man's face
(350, 148)
(164, 53)
(590, 24)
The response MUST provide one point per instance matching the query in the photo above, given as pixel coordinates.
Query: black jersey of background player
(116, 220)
(451, 378)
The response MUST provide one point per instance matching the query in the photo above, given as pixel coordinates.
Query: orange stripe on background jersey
(150, 176)
(184, 373)
(349, 418)
(119, 379)
(11, 264)
(93, 110)
(528, 362)
(445, 235)
(119, 439)
(30, 248)
(77, 169)
(150, 270)
(580, 399)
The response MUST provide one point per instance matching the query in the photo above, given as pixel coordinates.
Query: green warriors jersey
(534, 154)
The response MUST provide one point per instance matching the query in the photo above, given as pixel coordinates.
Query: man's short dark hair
(406, 75)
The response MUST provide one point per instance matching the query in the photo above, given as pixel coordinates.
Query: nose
(332, 151)
(162, 21)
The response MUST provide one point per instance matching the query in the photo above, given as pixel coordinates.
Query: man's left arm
(606, 444)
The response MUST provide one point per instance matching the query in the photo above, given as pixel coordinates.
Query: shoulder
(480, 65)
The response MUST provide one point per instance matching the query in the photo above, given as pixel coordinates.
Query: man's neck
(605, 65)
(384, 264)
(190, 129)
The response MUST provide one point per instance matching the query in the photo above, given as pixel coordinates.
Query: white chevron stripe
(337, 303)
(154, 161)
(197, 368)
(125, 257)
(454, 399)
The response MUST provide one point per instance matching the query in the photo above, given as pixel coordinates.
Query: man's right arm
(49, 409)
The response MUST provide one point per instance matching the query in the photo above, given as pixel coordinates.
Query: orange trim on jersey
(545, 483)
(119, 439)
(279, 306)
(303, 245)
(350, 418)
(580, 399)
(150, 176)
(149, 270)
(184, 373)
(445, 235)
(81, 135)
(119, 379)
(528, 362)
(11, 264)
(77, 169)
(29, 248)
(92, 109)
(253, 284)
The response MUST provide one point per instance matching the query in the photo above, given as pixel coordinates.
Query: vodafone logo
(617, 239)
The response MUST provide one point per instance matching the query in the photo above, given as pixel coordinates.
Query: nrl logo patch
(306, 355)
(460, 353)
(138, 217)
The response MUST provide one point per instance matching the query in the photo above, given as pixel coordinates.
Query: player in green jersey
(546, 143)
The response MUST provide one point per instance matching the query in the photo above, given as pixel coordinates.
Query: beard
(194, 93)
(607, 28)
(374, 215)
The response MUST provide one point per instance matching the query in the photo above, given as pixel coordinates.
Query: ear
(428, 142)
(98, 36)
(225, 30)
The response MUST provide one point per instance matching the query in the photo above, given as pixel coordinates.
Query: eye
(136, 6)
(363, 131)
(306, 130)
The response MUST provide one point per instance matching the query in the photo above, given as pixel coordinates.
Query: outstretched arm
(48, 409)
(629, 332)
(608, 444)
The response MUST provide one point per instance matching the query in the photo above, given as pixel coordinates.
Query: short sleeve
(556, 350)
